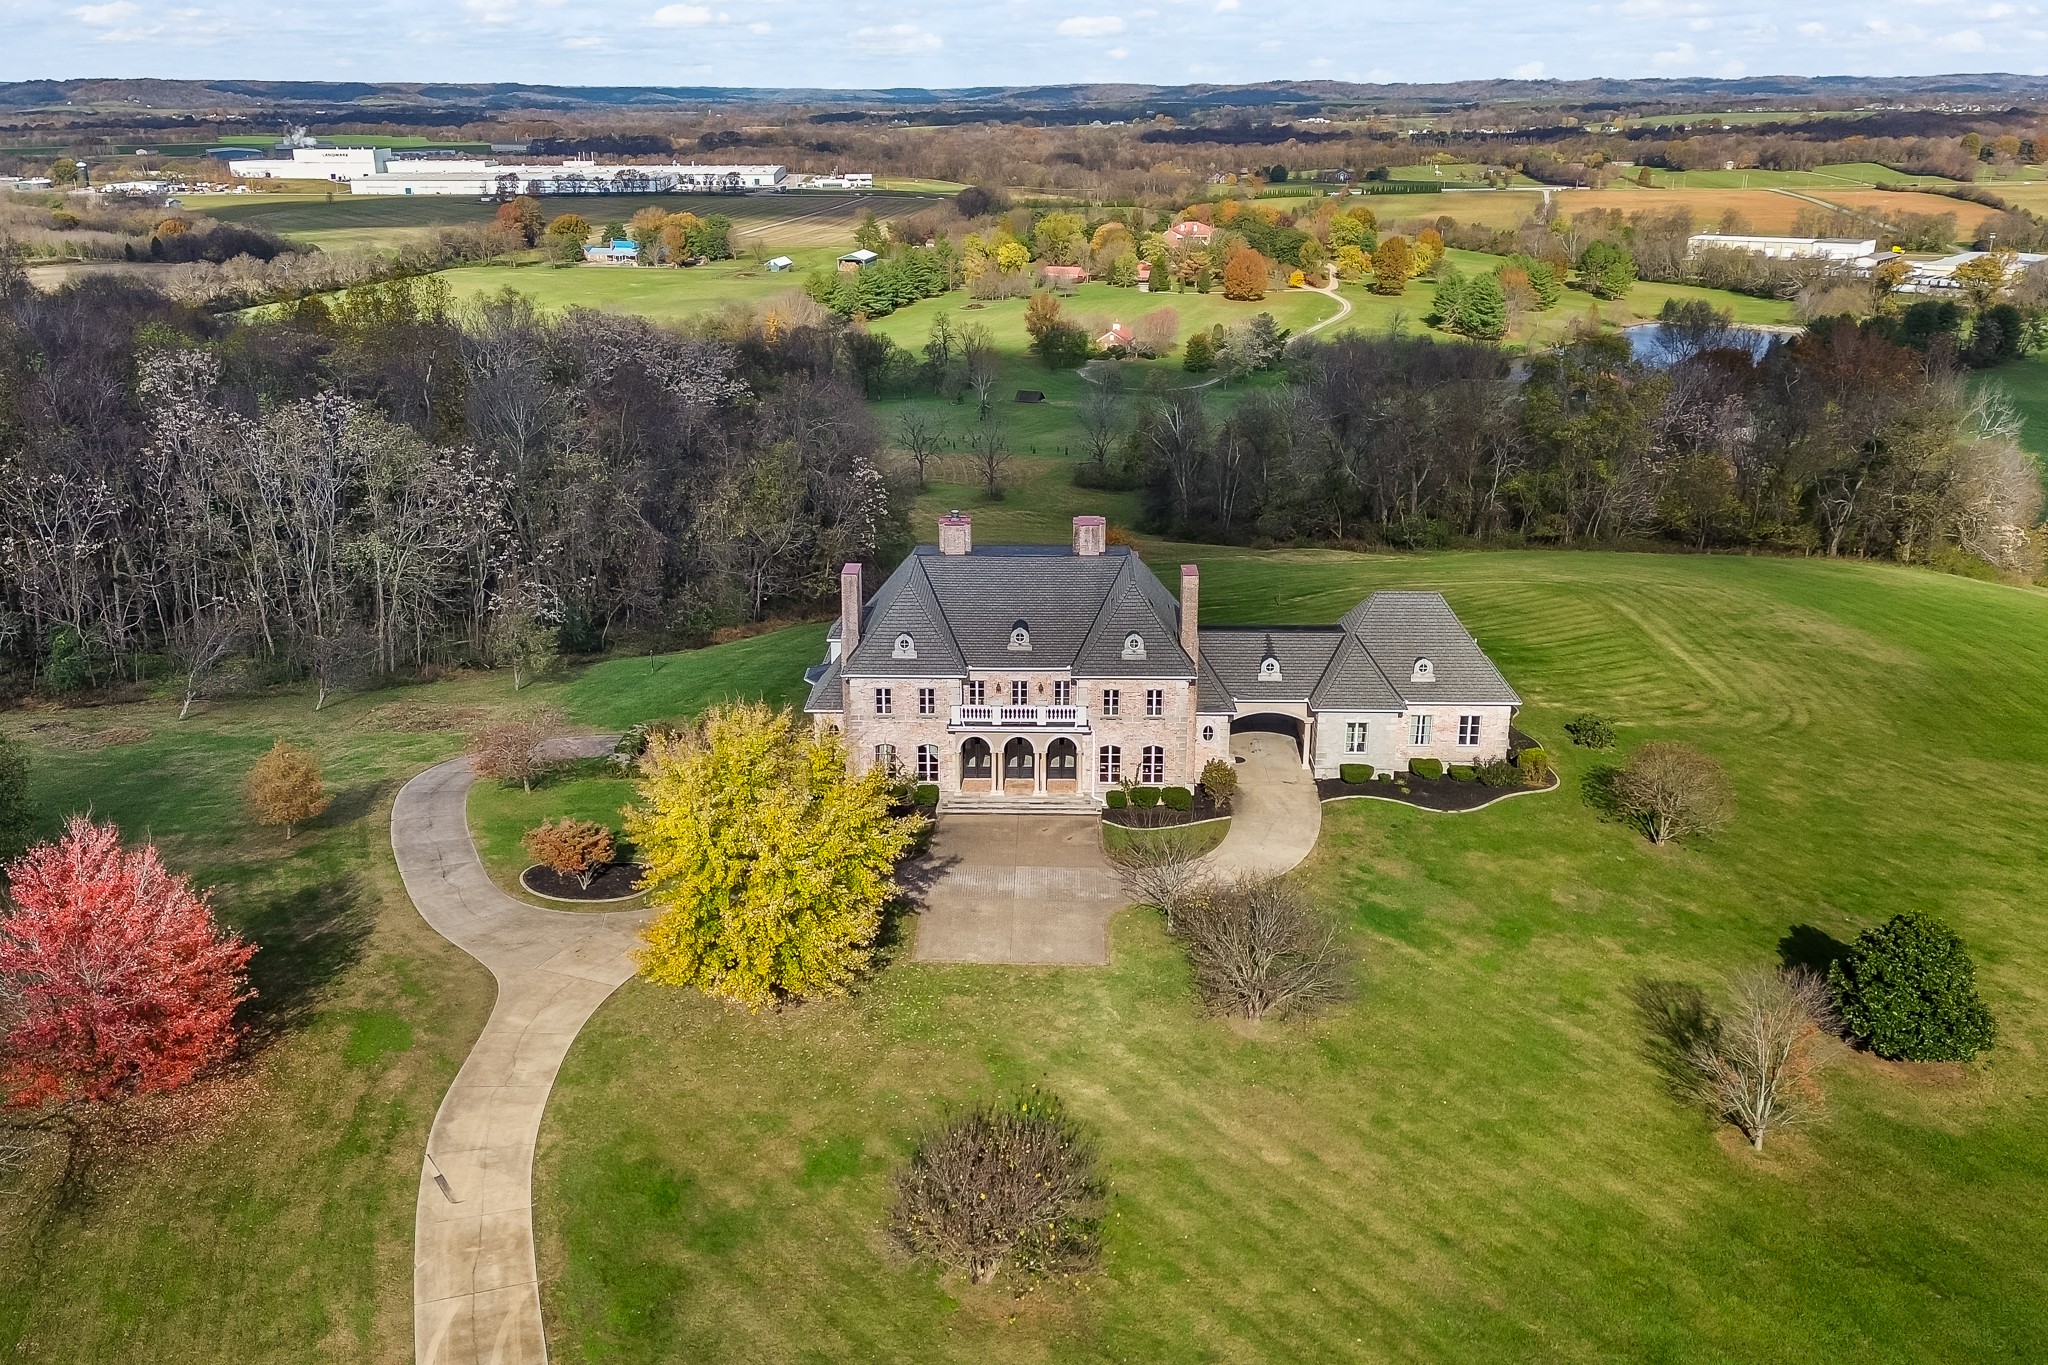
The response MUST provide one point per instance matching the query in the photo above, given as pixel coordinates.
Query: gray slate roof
(1397, 628)
(1303, 653)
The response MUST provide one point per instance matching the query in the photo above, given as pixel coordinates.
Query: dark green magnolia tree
(1908, 988)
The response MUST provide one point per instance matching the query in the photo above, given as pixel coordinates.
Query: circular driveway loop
(476, 1289)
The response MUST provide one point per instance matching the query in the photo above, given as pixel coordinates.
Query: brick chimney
(849, 609)
(1190, 602)
(1090, 533)
(956, 533)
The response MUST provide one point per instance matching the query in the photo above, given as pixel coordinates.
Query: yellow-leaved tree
(767, 863)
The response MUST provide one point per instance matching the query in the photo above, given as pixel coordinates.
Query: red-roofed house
(1189, 234)
(1062, 274)
(1117, 338)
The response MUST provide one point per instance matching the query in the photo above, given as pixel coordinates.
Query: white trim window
(1152, 765)
(977, 692)
(927, 701)
(1062, 692)
(885, 758)
(1354, 736)
(1419, 730)
(1109, 763)
(927, 762)
(1155, 701)
(1112, 701)
(885, 701)
(1468, 732)
(1020, 692)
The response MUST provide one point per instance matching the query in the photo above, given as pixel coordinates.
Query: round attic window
(1020, 635)
(906, 648)
(1425, 671)
(1134, 646)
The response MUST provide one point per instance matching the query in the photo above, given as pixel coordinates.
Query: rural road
(476, 1288)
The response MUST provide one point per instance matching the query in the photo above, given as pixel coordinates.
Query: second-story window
(885, 701)
(1062, 692)
(1155, 701)
(927, 701)
(1111, 700)
(977, 693)
(1020, 692)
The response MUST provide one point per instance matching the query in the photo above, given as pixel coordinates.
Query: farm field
(1477, 1158)
(1884, 202)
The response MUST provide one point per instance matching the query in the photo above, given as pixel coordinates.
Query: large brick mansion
(1050, 671)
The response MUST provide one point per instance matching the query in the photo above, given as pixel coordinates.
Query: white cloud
(1813, 30)
(1225, 6)
(1527, 71)
(1682, 55)
(682, 16)
(2000, 12)
(106, 16)
(759, 26)
(1117, 54)
(1090, 26)
(896, 40)
(1962, 40)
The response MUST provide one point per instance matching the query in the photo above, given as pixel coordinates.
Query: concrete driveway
(1029, 890)
(1276, 814)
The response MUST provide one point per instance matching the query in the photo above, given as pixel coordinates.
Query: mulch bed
(618, 882)
(1430, 793)
(1161, 817)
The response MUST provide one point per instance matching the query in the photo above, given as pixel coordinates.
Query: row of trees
(384, 482)
(1841, 443)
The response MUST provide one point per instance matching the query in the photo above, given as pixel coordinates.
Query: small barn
(780, 264)
(854, 261)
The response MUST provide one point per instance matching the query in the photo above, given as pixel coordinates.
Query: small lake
(1656, 343)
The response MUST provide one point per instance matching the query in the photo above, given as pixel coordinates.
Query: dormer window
(906, 648)
(1269, 669)
(1425, 671)
(1020, 636)
(1134, 646)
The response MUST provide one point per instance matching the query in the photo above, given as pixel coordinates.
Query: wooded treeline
(1840, 442)
(374, 483)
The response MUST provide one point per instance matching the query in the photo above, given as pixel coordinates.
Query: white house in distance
(1844, 250)
(1057, 672)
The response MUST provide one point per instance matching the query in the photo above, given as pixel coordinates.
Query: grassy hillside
(1477, 1159)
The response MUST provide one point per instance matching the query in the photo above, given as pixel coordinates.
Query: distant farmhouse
(1057, 672)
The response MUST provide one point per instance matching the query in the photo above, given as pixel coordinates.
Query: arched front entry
(977, 766)
(1062, 766)
(1271, 723)
(1020, 767)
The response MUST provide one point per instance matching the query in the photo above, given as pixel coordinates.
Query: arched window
(1134, 646)
(976, 762)
(885, 758)
(1152, 765)
(927, 762)
(1208, 734)
(1109, 763)
(1020, 635)
(906, 648)
(1269, 669)
(1425, 671)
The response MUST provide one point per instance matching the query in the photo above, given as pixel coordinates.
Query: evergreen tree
(1483, 311)
(1200, 356)
(1909, 989)
(1448, 306)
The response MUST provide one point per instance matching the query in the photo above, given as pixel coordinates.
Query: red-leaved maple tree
(114, 978)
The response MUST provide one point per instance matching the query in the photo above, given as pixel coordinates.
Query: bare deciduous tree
(1260, 947)
(1758, 1069)
(516, 750)
(983, 364)
(1013, 1180)
(920, 438)
(991, 448)
(1162, 871)
(1673, 790)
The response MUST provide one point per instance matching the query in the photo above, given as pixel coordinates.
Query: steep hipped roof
(959, 611)
(1353, 682)
(1303, 653)
(1397, 628)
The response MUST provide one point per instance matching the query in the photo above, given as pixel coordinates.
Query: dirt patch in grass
(62, 734)
(416, 718)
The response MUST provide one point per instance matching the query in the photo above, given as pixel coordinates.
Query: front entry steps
(995, 803)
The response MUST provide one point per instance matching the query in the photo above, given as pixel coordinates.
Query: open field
(782, 221)
(1478, 1158)
(665, 295)
(2025, 380)
(1885, 203)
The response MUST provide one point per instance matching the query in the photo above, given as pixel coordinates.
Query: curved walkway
(1275, 816)
(476, 1289)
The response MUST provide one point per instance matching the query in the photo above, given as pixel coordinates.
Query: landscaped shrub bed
(1161, 808)
(1460, 787)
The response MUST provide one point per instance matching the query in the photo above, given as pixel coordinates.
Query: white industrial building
(1839, 249)
(1939, 276)
(491, 179)
(314, 163)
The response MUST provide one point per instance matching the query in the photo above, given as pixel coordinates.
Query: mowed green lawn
(1477, 1159)
(665, 295)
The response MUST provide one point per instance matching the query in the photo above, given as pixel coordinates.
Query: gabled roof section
(906, 605)
(1353, 682)
(826, 695)
(1137, 604)
(1304, 653)
(1212, 698)
(1055, 592)
(1397, 628)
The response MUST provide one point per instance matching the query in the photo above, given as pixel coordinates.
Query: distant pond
(1659, 344)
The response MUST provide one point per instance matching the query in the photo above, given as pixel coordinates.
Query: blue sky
(991, 42)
